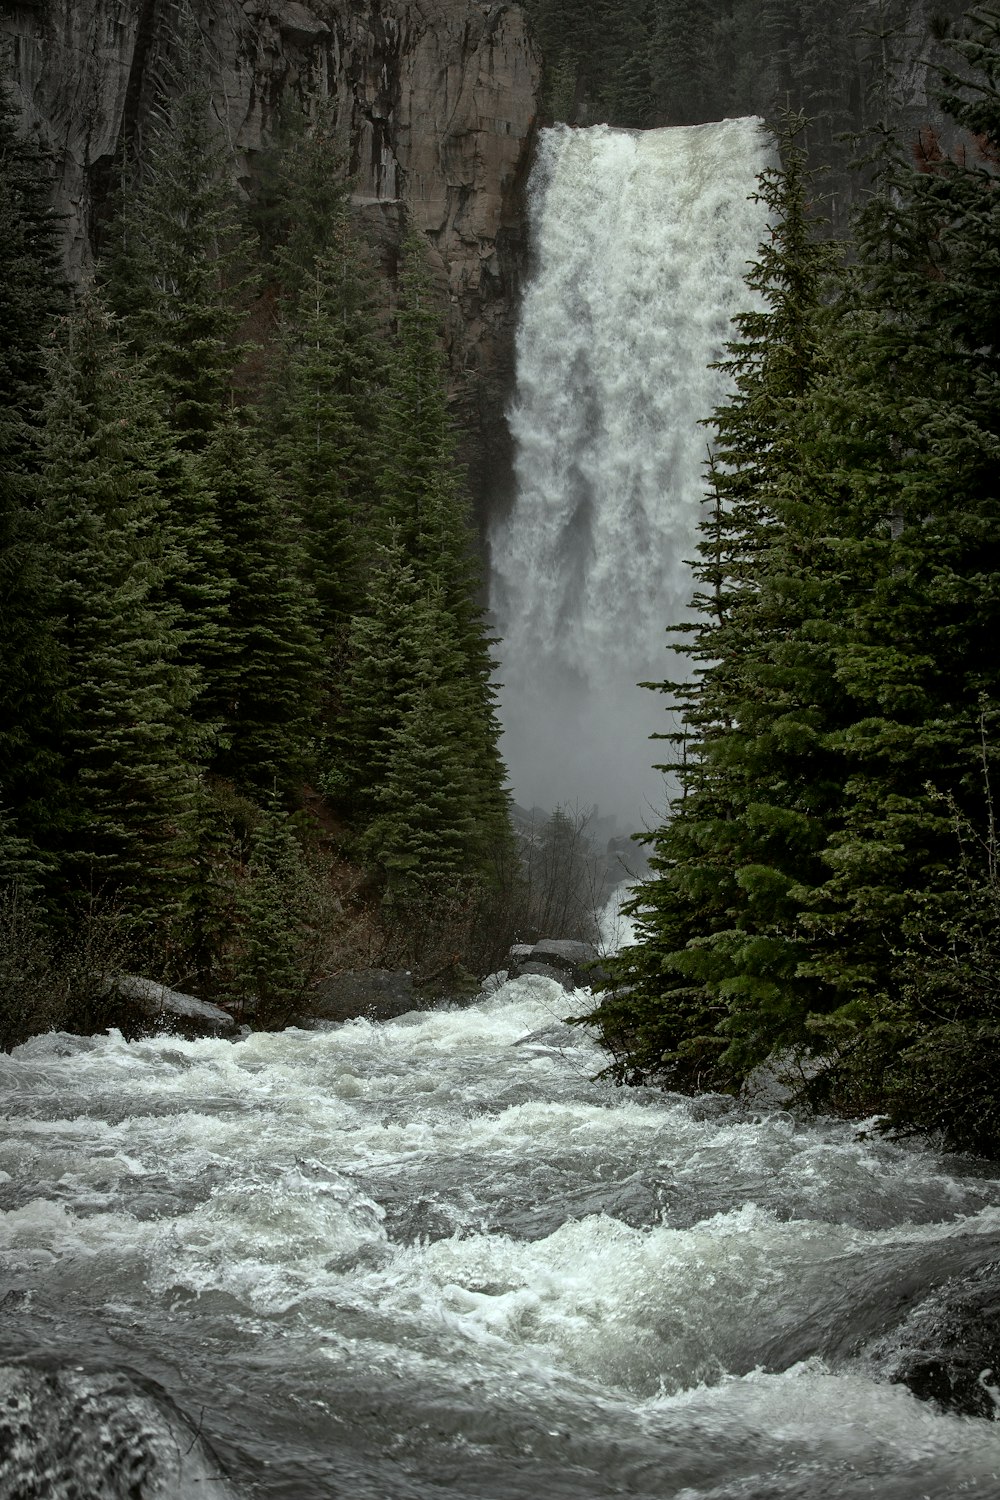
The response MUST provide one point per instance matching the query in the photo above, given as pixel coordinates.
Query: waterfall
(641, 242)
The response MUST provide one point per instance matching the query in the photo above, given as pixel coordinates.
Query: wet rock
(948, 1350)
(371, 994)
(172, 1008)
(564, 959)
(106, 1435)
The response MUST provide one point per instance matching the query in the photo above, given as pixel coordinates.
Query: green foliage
(177, 269)
(327, 411)
(32, 294)
(266, 689)
(301, 198)
(720, 915)
(418, 665)
(204, 608)
(926, 1053)
(124, 730)
(809, 890)
(279, 906)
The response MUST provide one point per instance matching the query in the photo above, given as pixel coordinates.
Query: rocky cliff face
(436, 101)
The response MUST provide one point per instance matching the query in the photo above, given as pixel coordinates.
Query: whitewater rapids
(436, 1257)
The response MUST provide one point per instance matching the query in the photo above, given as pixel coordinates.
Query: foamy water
(435, 1255)
(641, 242)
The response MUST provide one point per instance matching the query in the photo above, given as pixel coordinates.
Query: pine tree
(279, 906)
(301, 204)
(377, 674)
(678, 52)
(829, 871)
(718, 978)
(32, 294)
(326, 418)
(177, 273)
(921, 529)
(265, 692)
(424, 500)
(423, 833)
(125, 732)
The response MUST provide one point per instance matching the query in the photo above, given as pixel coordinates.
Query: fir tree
(125, 735)
(718, 979)
(176, 270)
(425, 501)
(423, 834)
(32, 293)
(327, 414)
(921, 530)
(265, 692)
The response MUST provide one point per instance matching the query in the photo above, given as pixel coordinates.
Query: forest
(248, 726)
(249, 730)
(826, 887)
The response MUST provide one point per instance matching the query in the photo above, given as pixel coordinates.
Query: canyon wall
(436, 103)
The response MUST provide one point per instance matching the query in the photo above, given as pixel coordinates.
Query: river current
(435, 1257)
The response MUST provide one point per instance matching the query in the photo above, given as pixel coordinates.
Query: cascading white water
(436, 1258)
(641, 242)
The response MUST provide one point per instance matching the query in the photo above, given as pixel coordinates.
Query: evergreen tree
(408, 753)
(810, 888)
(326, 419)
(301, 203)
(176, 270)
(922, 531)
(718, 979)
(679, 59)
(279, 906)
(32, 293)
(377, 674)
(125, 735)
(423, 834)
(424, 501)
(265, 693)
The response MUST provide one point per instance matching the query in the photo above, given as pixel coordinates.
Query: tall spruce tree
(920, 529)
(125, 735)
(718, 980)
(423, 834)
(830, 868)
(327, 414)
(424, 499)
(177, 269)
(32, 294)
(265, 692)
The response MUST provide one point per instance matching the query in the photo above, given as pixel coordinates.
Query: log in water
(435, 1257)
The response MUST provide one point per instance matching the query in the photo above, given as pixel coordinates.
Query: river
(436, 1257)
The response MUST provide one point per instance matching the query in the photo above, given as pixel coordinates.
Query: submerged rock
(106, 1435)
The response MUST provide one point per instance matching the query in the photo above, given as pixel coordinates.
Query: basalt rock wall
(436, 102)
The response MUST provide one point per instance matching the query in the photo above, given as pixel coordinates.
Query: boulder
(948, 1350)
(564, 959)
(371, 994)
(108, 1435)
(171, 1008)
